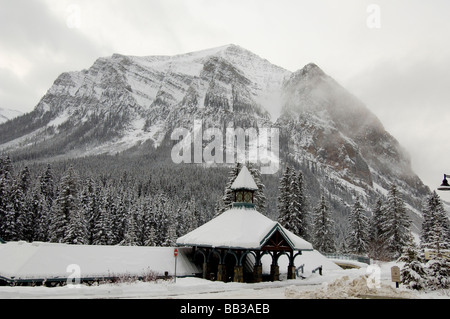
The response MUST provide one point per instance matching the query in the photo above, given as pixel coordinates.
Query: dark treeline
(106, 200)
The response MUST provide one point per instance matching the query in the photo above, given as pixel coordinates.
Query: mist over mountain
(131, 105)
(7, 114)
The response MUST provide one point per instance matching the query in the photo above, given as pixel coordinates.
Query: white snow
(336, 284)
(23, 260)
(8, 114)
(244, 180)
(238, 228)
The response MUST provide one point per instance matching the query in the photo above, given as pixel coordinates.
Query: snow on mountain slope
(122, 102)
(7, 114)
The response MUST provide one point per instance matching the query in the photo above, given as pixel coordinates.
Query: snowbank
(37, 260)
(345, 288)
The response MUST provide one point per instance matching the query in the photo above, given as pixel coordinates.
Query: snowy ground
(335, 284)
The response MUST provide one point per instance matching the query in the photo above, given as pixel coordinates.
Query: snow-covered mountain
(7, 114)
(124, 101)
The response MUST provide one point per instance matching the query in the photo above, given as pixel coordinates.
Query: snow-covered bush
(438, 273)
(413, 273)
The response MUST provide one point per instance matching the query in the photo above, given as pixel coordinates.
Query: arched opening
(230, 261)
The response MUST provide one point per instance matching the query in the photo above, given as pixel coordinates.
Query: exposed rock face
(123, 101)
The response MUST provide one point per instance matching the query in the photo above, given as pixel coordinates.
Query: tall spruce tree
(397, 233)
(227, 199)
(435, 232)
(66, 204)
(284, 194)
(259, 197)
(292, 207)
(358, 222)
(377, 247)
(76, 232)
(323, 228)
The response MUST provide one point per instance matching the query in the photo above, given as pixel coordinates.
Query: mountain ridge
(127, 102)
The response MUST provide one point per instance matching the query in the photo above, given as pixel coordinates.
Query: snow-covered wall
(37, 260)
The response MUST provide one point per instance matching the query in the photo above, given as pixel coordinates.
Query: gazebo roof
(244, 180)
(241, 228)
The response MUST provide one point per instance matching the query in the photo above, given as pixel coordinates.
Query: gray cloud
(46, 46)
(401, 71)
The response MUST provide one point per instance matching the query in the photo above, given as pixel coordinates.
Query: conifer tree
(358, 237)
(102, 229)
(284, 194)
(413, 273)
(259, 197)
(66, 204)
(227, 199)
(438, 271)
(15, 214)
(130, 237)
(377, 247)
(292, 204)
(47, 185)
(76, 232)
(435, 232)
(397, 223)
(323, 228)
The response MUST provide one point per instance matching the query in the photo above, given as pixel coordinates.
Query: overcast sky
(392, 54)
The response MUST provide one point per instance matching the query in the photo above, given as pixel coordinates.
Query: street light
(444, 186)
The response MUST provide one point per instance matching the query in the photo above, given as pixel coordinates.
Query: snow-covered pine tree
(47, 185)
(102, 228)
(120, 217)
(397, 233)
(292, 204)
(76, 232)
(377, 247)
(259, 197)
(438, 271)
(227, 199)
(4, 195)
(358, 236)
(12, 220)
(151, 237)
(66, 203)
(413, 273)
(284, 197)
(29, 218)
(323, 228)
(40, 211)
(303, 226)
(90, 199)
(187, 220)
(25, 179)
(435, 232)
(171, 235)
(129, 238)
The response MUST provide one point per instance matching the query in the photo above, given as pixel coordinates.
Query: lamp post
(444, 186)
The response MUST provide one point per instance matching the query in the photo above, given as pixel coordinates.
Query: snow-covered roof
(38, 260)
(244, 180)
(242, 228)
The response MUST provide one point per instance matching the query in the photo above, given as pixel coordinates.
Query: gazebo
(240, 237)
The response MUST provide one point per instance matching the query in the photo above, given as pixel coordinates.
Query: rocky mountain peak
(124, 102)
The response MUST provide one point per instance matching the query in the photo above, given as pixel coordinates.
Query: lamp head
(444, 186)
